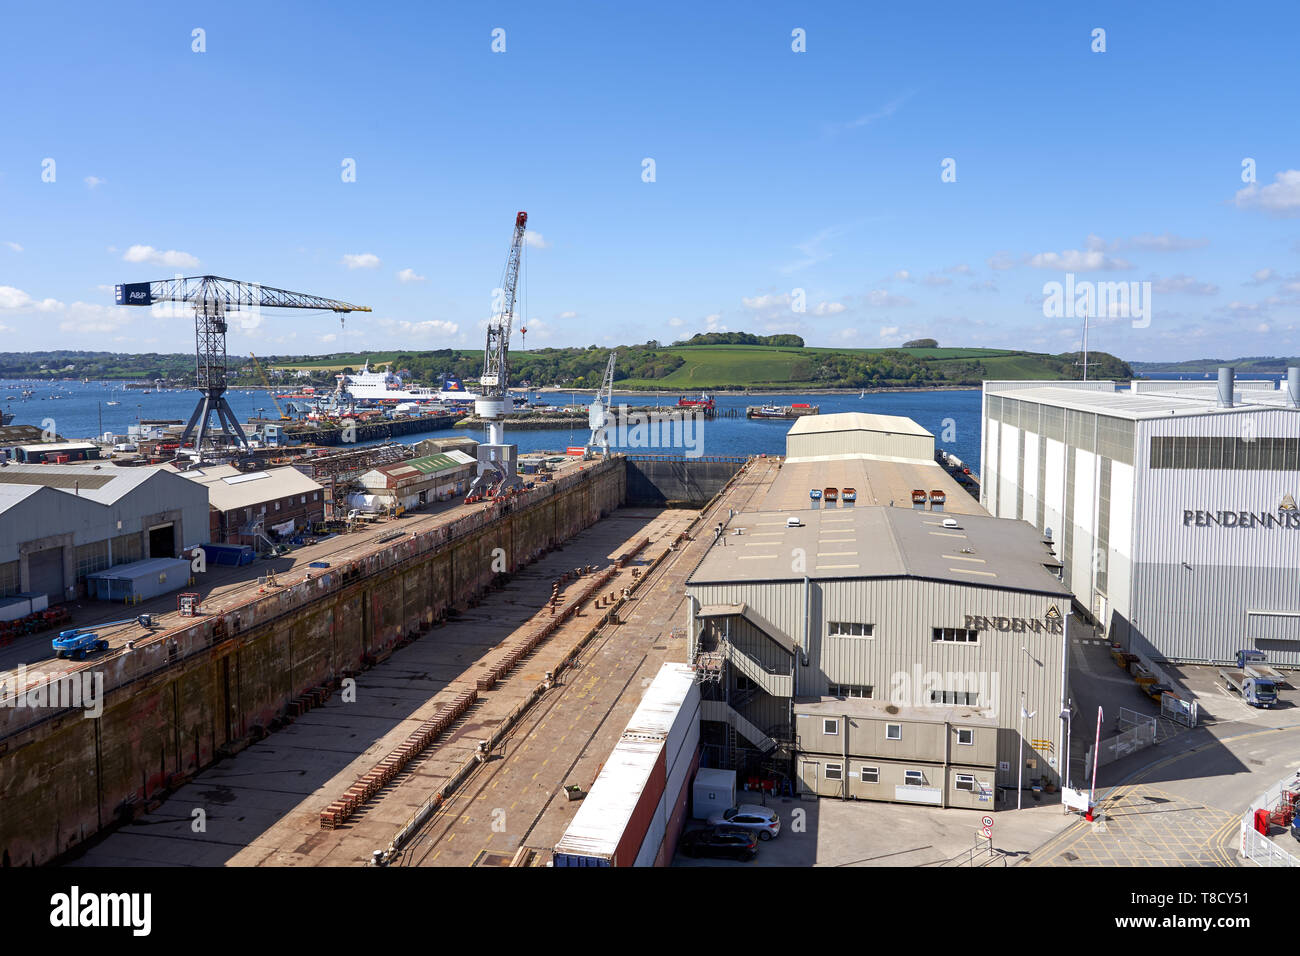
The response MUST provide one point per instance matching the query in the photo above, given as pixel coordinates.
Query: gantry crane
(496, 464)
(212, 297)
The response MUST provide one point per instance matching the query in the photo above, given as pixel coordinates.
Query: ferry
(704, 401)
(385, 387)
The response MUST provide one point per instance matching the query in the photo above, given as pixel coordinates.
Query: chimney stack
(1226, 379)
(1293, 386)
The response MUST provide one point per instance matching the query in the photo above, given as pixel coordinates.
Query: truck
(1255, 664)
(77, 642)
(1256, 691)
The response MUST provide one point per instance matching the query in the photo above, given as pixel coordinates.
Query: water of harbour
(77, 410)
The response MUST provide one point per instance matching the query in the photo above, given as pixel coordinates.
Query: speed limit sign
(986, 827)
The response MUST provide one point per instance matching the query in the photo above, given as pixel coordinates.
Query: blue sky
(775, 171)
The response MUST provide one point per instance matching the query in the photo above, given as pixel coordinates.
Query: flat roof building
(1172, 506)
(419, 481)
(918, 634)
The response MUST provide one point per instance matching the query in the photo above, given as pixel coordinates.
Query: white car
(764, 822)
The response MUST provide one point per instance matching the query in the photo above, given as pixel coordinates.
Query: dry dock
(263, 806)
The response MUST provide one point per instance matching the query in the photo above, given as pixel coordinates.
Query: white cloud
(762, 302)
(676, 322)
(1260, 276)
(829, 308)
(171, 258)
(711, 323)
(961, 269)
(93, 181)
(327, 339)
(568, 315)
(1262, 328)
(14, 246)
(408, 275)
(1184, 284)
(886, 111)
(92, 318)
(984, 285)
(1000, 260)
(1165, 242)
(363, 260)
(888, 332)
(849, 333)
(16, 300)
(429, 327)
(880, 299)
(1279, 198)
(904, 275)
(936, 280)
(1074, 260)
(535, 240)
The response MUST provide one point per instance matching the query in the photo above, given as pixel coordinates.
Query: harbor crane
(496, 459)
(212, 298)
(598, 416)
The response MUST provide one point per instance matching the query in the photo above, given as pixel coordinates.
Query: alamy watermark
(1074, 299)
(671, 428)
(37, 690)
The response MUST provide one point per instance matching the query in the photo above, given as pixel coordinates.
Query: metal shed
(139, 580)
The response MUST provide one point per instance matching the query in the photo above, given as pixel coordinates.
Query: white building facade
(1172, 506)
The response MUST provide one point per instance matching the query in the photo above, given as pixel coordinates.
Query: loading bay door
(162, 541)
(45, 572)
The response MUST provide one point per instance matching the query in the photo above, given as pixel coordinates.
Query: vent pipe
(1225, 386)
(1293, 386)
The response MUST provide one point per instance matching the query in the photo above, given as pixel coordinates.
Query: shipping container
(231, 554)
(40, 602)
(615, 816)
(14, 608)
(670, 706)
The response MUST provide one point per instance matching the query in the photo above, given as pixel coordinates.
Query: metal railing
(1255, 846)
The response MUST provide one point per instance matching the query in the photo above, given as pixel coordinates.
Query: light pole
(1025, 714)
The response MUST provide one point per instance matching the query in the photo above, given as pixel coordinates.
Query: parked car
(726, 843)
(764, 823)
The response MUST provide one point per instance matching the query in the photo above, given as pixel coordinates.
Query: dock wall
(184, 698)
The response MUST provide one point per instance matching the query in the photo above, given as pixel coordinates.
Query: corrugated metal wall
(859, 442)
(901, 655)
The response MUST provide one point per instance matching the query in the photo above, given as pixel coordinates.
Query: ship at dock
(782, 412)
(382, 386)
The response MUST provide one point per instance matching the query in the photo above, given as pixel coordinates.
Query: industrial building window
(744, 683)
(304, 500)
(91, 558)
(963, 698)
(1214, 453)
(835, 771)
(965, 736)
(965, 781)
(955, 635)
(830, 727)
(866, 691)
(126, 549)
(849, 629)
(913, 778)
(9, 581)
(871, 775)
(893, 731)
(315, 496)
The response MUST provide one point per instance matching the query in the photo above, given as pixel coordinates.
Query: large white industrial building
(1172, 505)
(884, 647)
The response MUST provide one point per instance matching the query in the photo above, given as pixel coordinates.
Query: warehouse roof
(878, 481)
(11, 435)
(1140, 405)
(229, 488)
(882, 542)
(104, 484)
(857, 421)
(428, 465)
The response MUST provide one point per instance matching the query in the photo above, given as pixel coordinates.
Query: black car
(724, 843)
